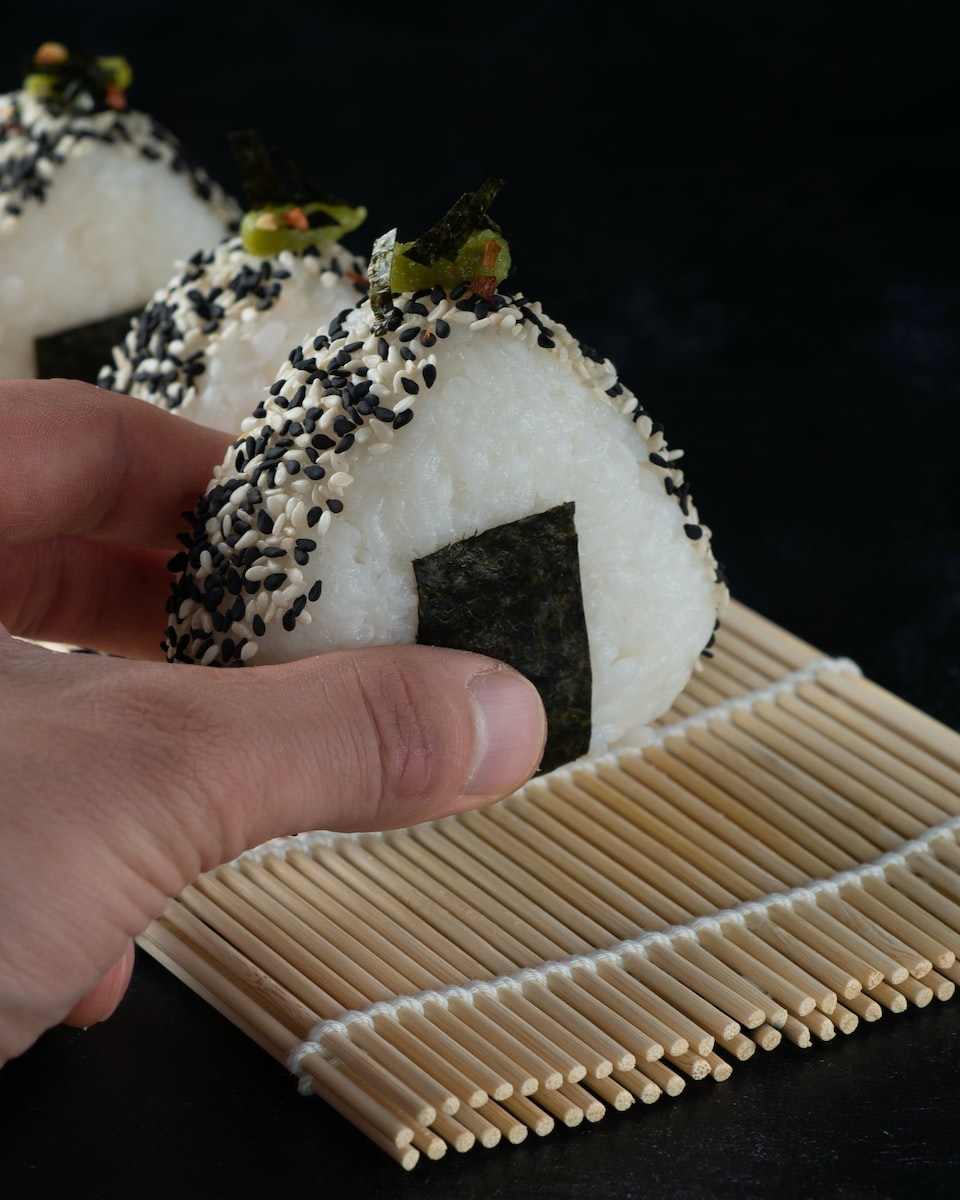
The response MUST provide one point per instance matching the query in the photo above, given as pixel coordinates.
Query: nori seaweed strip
(259, 179)
(305, 189)
(444, 239)
(378, 276)
(263, 184)
(81, 351)
(513, 592)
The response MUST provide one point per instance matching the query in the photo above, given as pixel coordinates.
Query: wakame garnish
(285, 213)
(71, 80)
(464, 247)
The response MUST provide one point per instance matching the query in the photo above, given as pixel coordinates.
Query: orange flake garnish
(115, 97)
(51, 52)
(491, 252)
(296, 219)
(484, 286)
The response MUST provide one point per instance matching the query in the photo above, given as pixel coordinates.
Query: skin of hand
(123, 776)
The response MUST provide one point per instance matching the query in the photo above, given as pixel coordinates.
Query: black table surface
(753, 210)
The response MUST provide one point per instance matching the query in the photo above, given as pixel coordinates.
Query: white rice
(107, 231)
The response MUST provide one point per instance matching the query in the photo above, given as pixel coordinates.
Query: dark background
(753, 210)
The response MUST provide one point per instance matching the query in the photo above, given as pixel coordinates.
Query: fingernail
(512, 731)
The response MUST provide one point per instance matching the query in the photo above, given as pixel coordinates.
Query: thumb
(369, 739)
(215, 761)
(124, 780)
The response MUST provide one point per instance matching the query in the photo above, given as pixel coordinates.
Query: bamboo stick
(509, 1126)
(888, 737)
(785, 647)
(916, 991)
(892, 999)
(614, 1094)
(784, 779)
(485, 1132)
(382, 1127)
(877, 754)
(866, 1008)
(536, 1119)
(797, 1032)
(639, 1083)
(941, 743)
(741, 1047)
(766, 1037)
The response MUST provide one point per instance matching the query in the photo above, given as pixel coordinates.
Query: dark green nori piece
(262, 174)
(378, 279)
(469, 213)
(80, 352)
(513, 592)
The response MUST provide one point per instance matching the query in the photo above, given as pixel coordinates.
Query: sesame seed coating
(37, 137)
(209, 308)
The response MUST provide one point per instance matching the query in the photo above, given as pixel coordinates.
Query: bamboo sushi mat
(778, 865)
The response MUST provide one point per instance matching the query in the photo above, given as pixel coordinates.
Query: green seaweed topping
(464, 247)
(513, 592)
(72, 80)
(285, 210)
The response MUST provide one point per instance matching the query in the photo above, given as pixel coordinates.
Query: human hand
(122, 778)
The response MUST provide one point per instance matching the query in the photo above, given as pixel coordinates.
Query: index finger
(81, 461)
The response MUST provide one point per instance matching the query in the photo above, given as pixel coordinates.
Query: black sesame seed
(335, 505)
(277, 580)
(314, 593)
(314, 515)
(403, 418)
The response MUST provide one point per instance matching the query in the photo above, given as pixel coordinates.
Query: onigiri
(443, 411)
(97, 202)
(217, 330)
